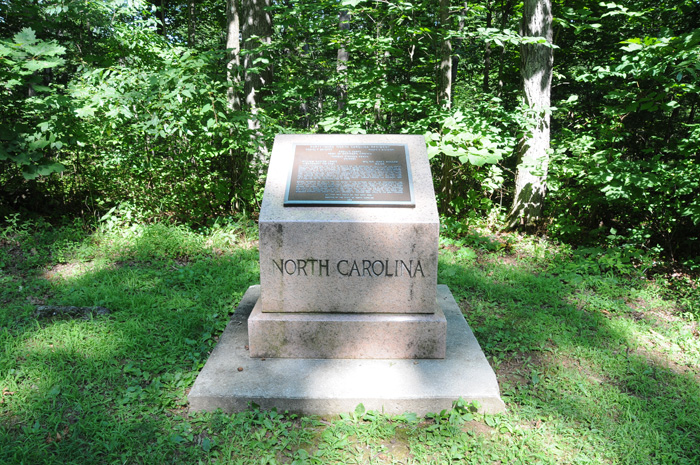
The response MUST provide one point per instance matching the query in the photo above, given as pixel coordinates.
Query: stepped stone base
(333, 386)
(328, 335)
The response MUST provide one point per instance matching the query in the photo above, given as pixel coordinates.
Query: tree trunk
(505, 15)
(233, 46)
(445, 71)
(487, 48)
(533, 150)
(160, 13)
(256, 31)
(445, 187)
(191, 24)
(383, 58)
(237, 160)
(342, 66)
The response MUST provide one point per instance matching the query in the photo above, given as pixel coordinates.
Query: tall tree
(506, 7)
(533, 150)
(191, 24)
(238, 161)
(445, 71)
(160, 12)
(233, 46)
(343, 56)
(487, 48)
(256, 32)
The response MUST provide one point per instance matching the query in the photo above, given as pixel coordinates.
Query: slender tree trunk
(487, 48)
(382, 64)
(445, 71)
(445, 100)
(160, 14)
(505, 15)
(460, 41)
(233, 45)
(256, 30)
(533, 152)
(191, 24)
(237, 161)
(342, 66)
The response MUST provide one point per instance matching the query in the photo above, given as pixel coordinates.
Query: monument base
(333, 335)
(231, 378)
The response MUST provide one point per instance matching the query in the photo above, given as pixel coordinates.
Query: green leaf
(632, 45)
(206, 444)
(433, 151)
(84, 112)
(45, 170)
(359, 410)
(26, 36)
(56, 390)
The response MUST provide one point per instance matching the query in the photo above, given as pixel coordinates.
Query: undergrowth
(596, 356)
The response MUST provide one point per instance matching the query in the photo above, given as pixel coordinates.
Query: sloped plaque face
(350, 175)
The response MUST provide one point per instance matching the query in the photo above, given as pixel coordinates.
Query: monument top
(398, 164)
(353, 175)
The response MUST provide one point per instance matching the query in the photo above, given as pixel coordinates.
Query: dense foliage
(122, 108)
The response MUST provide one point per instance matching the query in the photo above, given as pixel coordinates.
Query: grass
(596, 362)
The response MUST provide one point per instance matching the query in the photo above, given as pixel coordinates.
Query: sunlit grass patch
(594, 366)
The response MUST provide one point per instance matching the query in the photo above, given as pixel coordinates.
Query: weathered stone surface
(332, 386)
(326, 335)
(344, 259)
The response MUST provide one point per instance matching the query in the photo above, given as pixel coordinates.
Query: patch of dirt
(512, 371)
(533, 424)
(16, 257)
(656, 315)
(450, 247)
(635, 315)
(511, 260)
(594, 376)
(658, 350)
(515, 370)
(659, 359)
(34, 300)
(477, 428)
(395, 449)
(66, 270)
(477, 319)
(69, 311)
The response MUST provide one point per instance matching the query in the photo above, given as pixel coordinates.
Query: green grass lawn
(597, 363)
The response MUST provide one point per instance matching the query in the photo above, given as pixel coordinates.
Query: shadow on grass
(113, 388)
(564, 350)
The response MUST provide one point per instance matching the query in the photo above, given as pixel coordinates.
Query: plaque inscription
(350, 175)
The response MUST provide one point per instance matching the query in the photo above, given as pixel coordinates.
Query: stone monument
(348, 309)
(348, 251)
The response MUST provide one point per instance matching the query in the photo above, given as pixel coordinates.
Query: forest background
(134, 139)
(166, 111)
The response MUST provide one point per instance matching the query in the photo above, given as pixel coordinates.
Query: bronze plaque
(350, 175)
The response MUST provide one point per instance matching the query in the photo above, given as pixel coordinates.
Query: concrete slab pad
(333, 386)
